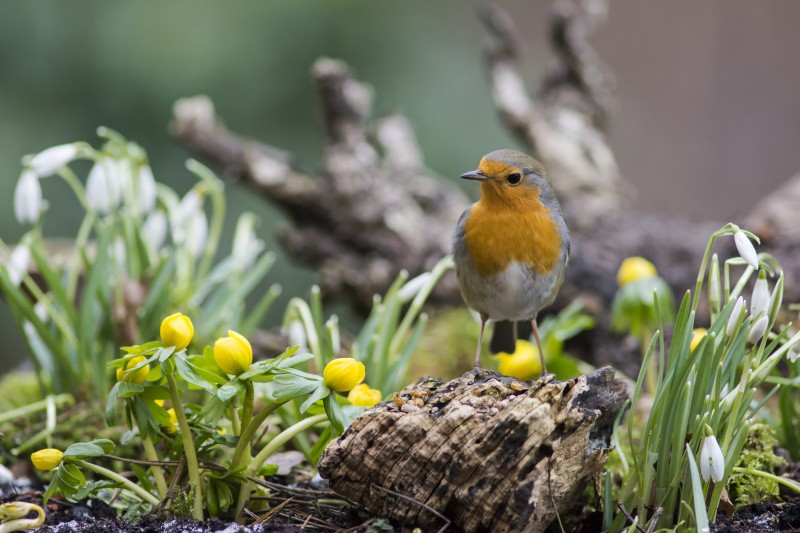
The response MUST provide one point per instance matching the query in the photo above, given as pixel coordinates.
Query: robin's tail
(504, 336)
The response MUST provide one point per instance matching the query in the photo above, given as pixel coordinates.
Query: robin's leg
(484, 318)
(539, 345)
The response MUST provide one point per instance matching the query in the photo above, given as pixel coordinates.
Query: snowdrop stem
(777, 479)
(75, 184)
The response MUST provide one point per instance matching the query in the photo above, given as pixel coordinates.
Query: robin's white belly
(516, 293)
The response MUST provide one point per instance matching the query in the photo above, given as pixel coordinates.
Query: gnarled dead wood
(487, 452)
(365, 217)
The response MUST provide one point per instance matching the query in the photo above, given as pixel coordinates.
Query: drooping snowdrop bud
(776, 299)
(103, 187)
(412, 287)
(28, 198)
(48, 161)
(746, 249)
(246, 246)
(793, 353)
(196, 233)
(154, 229)
(147, 189)
(712, 462)
(714, 287)
(761, 297)
(18, 263)
(736, 315)
(758, 329)
(188, 206)
(297, 335)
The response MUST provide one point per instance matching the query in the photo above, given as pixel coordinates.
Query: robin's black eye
(513, 178)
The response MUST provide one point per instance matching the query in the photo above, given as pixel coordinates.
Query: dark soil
(762, 517)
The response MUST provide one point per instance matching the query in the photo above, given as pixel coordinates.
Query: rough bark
(484, 452)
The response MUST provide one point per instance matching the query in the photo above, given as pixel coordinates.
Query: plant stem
(282, 438)
(188, 449)
(248, 432)
(777, 479)
(34, 407)
(158, 473)
(125, 482)
(247, 413)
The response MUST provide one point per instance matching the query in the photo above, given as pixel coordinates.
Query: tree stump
(482, 452)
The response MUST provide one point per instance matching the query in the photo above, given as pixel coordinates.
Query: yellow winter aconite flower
(633, 269)
(343, 374)
(233, 353)
(362, 396)
(177, 330)
(46, 459)
(522, 364)
(173, 422)
(137, 376)
(697, 336)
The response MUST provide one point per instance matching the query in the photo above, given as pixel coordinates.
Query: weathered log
(483, 451)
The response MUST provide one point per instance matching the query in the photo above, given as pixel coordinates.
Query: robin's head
(510, 175)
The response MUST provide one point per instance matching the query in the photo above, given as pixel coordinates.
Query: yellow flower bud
(522, 364)
(697, 336)
(137, 376)
(233, 353)
(343, 374)
(633, 269)
(177, 330)
(46, 459)
(362, 396)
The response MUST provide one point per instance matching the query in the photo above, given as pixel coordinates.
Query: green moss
(18, 389)
(758, 454)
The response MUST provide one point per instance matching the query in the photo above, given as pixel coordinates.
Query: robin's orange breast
(498, 233)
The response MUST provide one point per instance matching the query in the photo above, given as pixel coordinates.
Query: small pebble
(398, 400)
(408, 408)
(493, 411)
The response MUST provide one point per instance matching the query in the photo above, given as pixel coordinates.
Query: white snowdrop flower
(246, 246)
(413, 286)
(118, 251)
(147, 189)
(758, 329)
(154, 229)
(48, 161)
(746, 249)
(724, 391)
(18, 263)
(41, 311)
(187, 208)
(761, 297)
(297, 335)
(736, 314)
(196, 233)
(28, 198)
(712, 462)
(103, 187)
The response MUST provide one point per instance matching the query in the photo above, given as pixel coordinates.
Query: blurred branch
(562, 129)
(364, 218)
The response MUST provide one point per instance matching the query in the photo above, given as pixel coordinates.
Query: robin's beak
(476, 175)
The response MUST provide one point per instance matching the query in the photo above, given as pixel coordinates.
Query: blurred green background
(708, 120)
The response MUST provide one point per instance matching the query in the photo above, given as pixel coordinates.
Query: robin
(511, 247)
